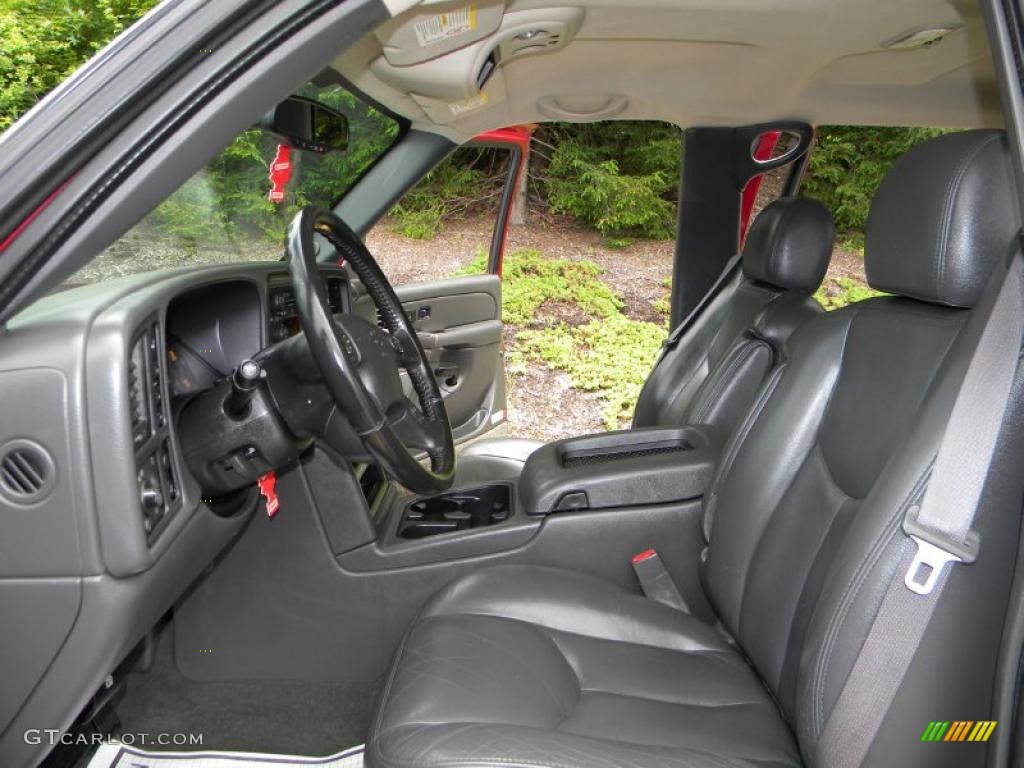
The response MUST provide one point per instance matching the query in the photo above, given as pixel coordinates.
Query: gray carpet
(253, 716)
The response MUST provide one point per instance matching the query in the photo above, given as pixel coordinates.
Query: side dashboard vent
(138, 407)
(156, 385)
(27, 473)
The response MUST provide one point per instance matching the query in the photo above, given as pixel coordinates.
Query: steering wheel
(360, 362)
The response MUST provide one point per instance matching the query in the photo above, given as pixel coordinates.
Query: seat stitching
(726, 651)
(849, 596)
(947, 215)
(505, 762)
(675, 703)
(738, 355)
(817, 680)
(760, 538)
(736, 444)
(787, 212)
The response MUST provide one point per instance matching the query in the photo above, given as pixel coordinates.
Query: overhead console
(448, 56)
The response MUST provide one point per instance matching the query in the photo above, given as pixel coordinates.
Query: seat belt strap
(677, 333)
(938, 533)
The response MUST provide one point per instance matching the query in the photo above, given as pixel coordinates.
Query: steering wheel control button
(349, 346)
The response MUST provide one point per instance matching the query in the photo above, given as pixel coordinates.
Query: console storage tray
(628, 468)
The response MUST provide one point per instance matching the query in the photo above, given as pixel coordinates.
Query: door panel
(459, 324)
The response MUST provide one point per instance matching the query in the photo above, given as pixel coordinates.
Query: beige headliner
(717, 62)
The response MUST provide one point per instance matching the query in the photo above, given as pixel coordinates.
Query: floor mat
(265, 717)
(121, 756)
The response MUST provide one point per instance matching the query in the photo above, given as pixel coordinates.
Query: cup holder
(456, 511)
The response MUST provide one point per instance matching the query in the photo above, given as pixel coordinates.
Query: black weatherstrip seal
(71, 160)
(373, 12)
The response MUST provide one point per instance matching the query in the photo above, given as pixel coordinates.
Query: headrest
(941, 217)
(789, 244)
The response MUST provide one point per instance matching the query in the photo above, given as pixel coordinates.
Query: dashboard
(211, 329)
(93, 378)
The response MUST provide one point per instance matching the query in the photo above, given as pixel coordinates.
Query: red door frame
(516, 139)
(765, 146)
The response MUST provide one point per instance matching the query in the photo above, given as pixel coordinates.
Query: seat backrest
(803, 521)
(712, 375)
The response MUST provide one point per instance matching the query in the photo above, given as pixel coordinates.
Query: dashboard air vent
(27, 472)
(137, 393)
(156, 377)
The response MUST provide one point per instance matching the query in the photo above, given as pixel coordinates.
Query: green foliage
(848, 164)
(424, 209)
(611, 356)
(44, 41)
(462, 184)
(835, 293)
(619, 177)
(529, 279)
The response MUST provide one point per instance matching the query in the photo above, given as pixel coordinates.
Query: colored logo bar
(958, 730)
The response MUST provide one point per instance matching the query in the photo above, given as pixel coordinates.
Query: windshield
(223, 214)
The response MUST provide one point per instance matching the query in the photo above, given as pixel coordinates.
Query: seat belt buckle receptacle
(934, 552)
(656, 582)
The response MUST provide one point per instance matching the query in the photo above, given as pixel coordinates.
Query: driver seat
(524, 665)
(712, 374)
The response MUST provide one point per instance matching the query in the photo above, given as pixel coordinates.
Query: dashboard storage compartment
(456, 511)
(628, 468)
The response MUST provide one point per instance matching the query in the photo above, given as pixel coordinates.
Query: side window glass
(443, 226)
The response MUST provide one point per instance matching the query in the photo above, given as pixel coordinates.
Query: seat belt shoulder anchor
(934, 552)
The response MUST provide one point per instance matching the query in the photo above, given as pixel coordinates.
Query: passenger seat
(712, 375)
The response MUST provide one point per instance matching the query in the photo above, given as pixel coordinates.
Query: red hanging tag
(267, 484)
(280, 173)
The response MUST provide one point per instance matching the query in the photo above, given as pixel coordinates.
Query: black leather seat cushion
(524, 665)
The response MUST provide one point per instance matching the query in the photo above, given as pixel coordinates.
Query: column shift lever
(244, 381)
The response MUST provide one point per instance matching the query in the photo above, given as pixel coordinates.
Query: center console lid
(629, 468)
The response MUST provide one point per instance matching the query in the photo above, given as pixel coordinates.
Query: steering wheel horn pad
(360, 362)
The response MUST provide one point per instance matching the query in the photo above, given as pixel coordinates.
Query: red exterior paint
(518, 136)
(765, 147)
(31, 217)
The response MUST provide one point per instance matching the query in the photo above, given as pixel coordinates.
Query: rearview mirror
(309, 125)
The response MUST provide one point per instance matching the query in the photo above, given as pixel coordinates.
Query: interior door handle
(446, 373)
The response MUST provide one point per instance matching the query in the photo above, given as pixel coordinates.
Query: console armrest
(618, 469)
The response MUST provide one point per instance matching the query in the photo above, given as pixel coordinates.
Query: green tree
(622, 178)
(44, 41)
(848, 164)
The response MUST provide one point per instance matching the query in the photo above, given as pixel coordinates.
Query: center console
(629, 468)
(613, 470)
(456, 511)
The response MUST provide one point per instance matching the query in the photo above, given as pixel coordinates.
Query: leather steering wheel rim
(339, 370)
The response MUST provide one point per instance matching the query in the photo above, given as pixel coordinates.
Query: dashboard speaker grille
(26, 472)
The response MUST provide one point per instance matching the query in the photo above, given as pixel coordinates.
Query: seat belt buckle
(656, 582)
(934, 553)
